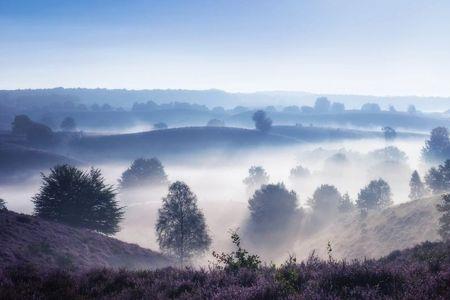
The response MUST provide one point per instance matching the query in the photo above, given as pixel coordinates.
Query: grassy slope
(395, 228)
(175, 141)
(28, 239)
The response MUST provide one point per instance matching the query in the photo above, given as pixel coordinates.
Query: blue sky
(379, 47)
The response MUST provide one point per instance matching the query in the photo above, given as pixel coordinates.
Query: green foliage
(444, 220)
(287, 276)
(181, 228)
(77, 198)
(237, 259)
(144, 172)
(376, 195)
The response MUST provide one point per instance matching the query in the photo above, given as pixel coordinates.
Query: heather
(422, 272)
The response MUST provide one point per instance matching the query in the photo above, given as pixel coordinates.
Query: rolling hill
(30, 240)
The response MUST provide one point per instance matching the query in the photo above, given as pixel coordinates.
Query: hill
(16, 161)
(30, 240)
(394, 228)
(174, 141)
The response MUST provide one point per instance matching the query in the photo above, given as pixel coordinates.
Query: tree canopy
(438, 179)
(376, 195)
(416, 186)
(262, 122)
(144, 172)
(181, 228)
(78, 198)
(437, 148)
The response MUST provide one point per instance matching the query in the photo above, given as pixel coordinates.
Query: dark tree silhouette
(2, 205)
(160, 125)
(262, 122)
(81, 199)
(411, 109)
(438, 180)
(337, 107)
(272, 207)
(181, 228)
(322, 105)
(389, 133)
(144, 172)
(370, 107)
(35, 133)
(68, 124)
(444, 220)
(416, 186)
(345, 204)
(437, 148)
(257, 176)
(325, 200)
(215, 123)
(376, 195)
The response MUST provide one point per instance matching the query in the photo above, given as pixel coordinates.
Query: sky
(383, 47)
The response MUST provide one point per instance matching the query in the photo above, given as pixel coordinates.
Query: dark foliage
(144, 172)
(416, 186)
(444, 220)
(68, 124)
(422, 272)
(322, 105)
(272, 208)
(437, 148)
(389, 133)
(262, 122)
(345, 204)
(257, 176)
(376, 195)
(337, 107)
(2, 205)
(181, 228)
(438, 180)
(299, 172)
(35, 133)
(80, 199)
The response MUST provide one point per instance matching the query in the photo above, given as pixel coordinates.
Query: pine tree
(181, 228)
(81, 199)
(417, 188)
(444, 220)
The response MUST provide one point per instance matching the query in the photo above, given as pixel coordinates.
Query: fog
(217, 180)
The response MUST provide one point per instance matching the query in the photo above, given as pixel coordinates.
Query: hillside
(19, 161)
(31, 240)
(174, 141)
(395, 228)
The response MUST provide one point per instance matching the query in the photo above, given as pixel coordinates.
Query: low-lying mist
(217, 180)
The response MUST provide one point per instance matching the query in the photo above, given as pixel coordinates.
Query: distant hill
(17, 160)
(174, 141)
(395, 228)
(31, 240)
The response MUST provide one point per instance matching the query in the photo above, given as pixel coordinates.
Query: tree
(78, 198)
(337, 107)
(444, 220)
(160, 125)
(390, 153)
(371, 107)
(215, 123)
(322, 105)
(376, 195)
(392, 109)
(438, 180)
(389, 133)
(299, 172)
(437, 148)
(411, 109)
(345, 204)
(272, 207)
(262, 122)
(144, 172)
(417, 188)
(68, 124)
(257, 176)
(325, 200)
(2, 205)
(35, 133)
(181, 228)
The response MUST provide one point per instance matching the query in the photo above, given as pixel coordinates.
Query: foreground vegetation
(422, 272)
